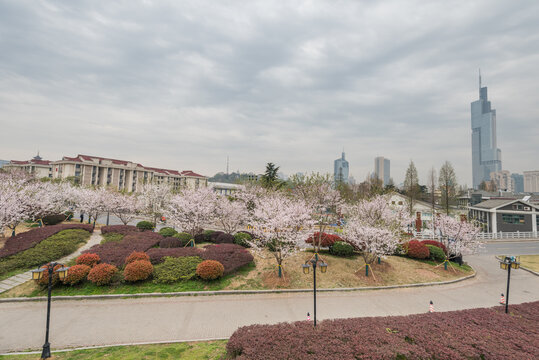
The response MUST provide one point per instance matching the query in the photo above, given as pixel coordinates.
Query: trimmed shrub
(50, 249)
(157, 255)
(88, 259)
(53, 219)
(112, 237)
(241, 239)
(224, 239)
(170, 242)
(213, 236)
(176, 269)
(232, 256)
(31, 238)
(341, 248)
(102, 274)
(136, 256)
(116, 252)
(210, 270)
(138, 270)
(183, 237)
(76, 274)
(208, 235)
(435, 243)
(416, 250)
(326, 241)
(436, 253)
(119, 229)
(145, 225)
(167, 232)
(44, 281)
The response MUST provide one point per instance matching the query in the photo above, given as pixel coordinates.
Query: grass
(530, 262)
(185, 351)
(111, 237)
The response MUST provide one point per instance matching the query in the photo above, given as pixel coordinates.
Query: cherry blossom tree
(459, 236)
(280, 223)
(230, 213)
(317, 191)
(16, 203)
(92, 202)
(191, 209)
(153, 199)
(124, 206)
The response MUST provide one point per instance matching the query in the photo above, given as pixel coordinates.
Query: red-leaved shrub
(465, 334)
(138, 270)
(31, 238)
(102, 274)
(232, 256)
(435, 243)
(210, 270)
(135, 256)
(119, 229)
(224, 239)
(416, 250)
(76, 274)
(170, 242)
(45, 275)
(326, 241)
(88, 259)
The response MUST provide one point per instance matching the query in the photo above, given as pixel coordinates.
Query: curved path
(123, 321)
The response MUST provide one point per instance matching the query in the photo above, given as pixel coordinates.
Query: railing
(488, 236)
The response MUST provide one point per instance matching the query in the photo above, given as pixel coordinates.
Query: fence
(489, 236)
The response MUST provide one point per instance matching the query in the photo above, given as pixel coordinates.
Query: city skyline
(285, 83)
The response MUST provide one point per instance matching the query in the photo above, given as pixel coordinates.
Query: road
(122, 321)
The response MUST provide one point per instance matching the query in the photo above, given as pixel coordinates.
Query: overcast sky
(183, 84)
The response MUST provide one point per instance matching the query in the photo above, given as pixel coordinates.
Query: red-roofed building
(121, 174)
(37, 166)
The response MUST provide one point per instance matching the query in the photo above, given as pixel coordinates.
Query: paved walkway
(19, 279)
(122, 321)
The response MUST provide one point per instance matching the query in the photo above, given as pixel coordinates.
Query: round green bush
(341, 248)
(53, 219)
(241, 239)
(167, 232)
(175, 269)
(183, 237)
(145, 225)
(210, 270)
(436, 253)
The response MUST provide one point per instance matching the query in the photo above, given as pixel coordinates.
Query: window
(393, 203)
(513, 219)
(517, 207)
(400, 202)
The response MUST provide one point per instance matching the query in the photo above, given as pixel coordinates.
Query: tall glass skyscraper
(340, 170)
(381, 169)
(486, 157)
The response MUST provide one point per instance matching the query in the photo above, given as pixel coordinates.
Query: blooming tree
(230, 213)
(16, 200)
(153, 199)
(124, 206)
(93, 202)
(459, 236)
(280, 222)
(190, 210)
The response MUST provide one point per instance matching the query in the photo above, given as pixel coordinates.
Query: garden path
(19, 279)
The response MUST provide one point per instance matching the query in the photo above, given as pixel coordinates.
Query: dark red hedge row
(119, 229)
(466, 334)
(327, 239)
(116, 252)
(31, 238)
(232, 256)
(435, 243)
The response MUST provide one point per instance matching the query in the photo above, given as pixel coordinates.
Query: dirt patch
(427, 274)
(271, 280)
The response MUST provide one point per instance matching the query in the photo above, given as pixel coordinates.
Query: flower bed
(157, 254)
(116, 252)
(466, 334)
(31, 238)
(119, 229)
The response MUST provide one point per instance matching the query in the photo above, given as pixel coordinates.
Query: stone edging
(229, 292)
(522, 267)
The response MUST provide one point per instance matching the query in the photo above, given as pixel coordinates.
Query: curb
(229, 292)
(493, 241)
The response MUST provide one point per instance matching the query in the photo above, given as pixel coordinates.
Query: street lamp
(506, 264)
(323, 268)
(37, 275)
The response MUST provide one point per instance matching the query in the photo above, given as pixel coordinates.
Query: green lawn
(185, 351)
(530, 262)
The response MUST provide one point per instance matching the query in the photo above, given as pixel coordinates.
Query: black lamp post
(38, 274)
(506, 264)
(323, 268)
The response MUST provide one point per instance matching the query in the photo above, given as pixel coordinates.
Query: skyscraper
(381, 169)
(486, 157)
(518, 183)
(340, 171)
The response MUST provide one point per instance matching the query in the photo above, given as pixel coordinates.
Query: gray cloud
(183, 85)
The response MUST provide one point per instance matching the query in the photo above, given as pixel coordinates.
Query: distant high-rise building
(503, 180)
(3, 162)
(518, 183)
(340, 170)
(381, 169)
(531, 181)
(486, 157)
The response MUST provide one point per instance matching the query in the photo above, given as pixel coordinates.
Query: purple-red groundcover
(31, 238)
(467, 334)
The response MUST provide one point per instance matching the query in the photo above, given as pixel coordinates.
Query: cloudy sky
(183, 84)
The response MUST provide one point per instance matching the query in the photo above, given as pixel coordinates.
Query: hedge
(44, 281)
(436, 253)
(232, 256)
(210, 270)
(76, 274)
(53, 219)
(88, 259)
(167, 231)
(145, 225)
(242, 239)
(465, 334)
(119, 229)
(175, 269)
(138, 270)
(224, 239)
(157, 255)
(116, 252)
(341, 248)
(170, 242)
(435, 243)
(136, 256)
(50, 249)
(416, 250)
(326, 241)
(184, 238)
(31, 238)
(102, 274)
